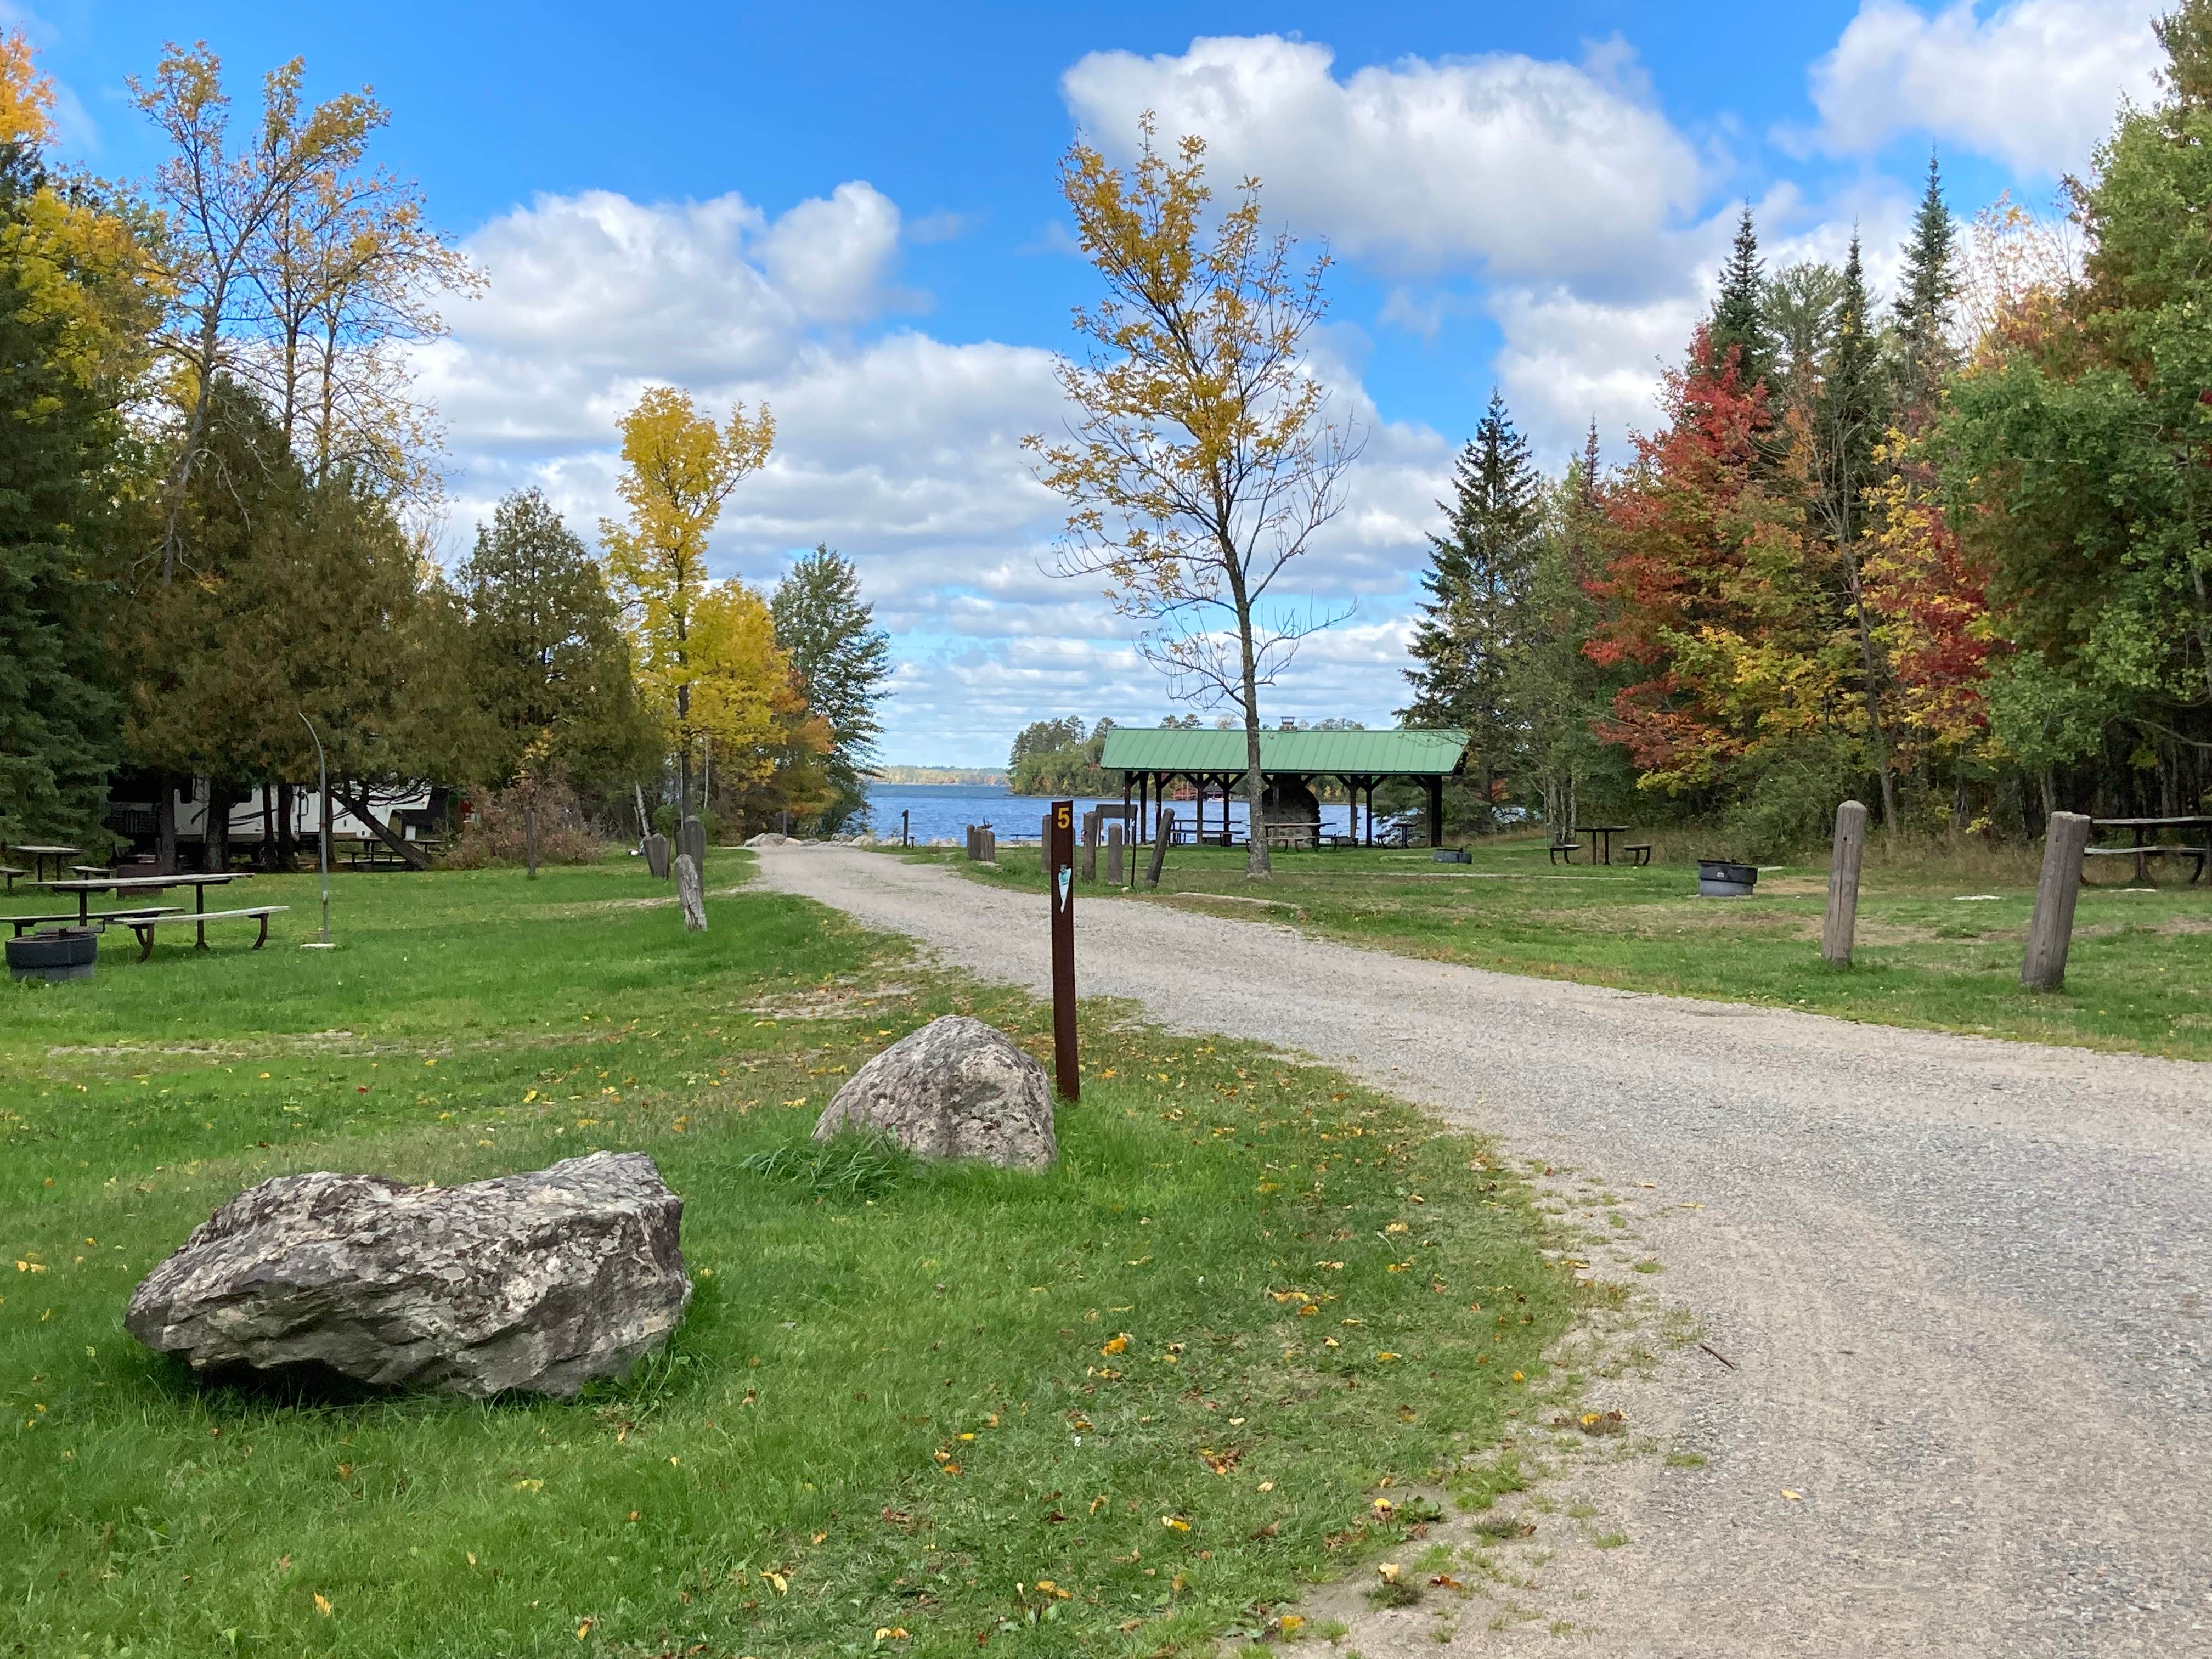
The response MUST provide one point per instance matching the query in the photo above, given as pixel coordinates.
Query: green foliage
(850, 1168)
(61, 471)
(547, 659)
(842, 661)
(1482, 574)
(1057, 758)
(1740, 323)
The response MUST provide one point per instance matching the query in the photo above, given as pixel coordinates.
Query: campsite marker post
(1059, 866)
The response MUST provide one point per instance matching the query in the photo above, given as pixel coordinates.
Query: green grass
(2139, 976)
(964, 1403)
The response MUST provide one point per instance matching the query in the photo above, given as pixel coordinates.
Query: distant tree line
(1946, 551)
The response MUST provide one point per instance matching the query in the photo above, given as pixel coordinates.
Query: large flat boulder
(956, 1088)
(536, 1282)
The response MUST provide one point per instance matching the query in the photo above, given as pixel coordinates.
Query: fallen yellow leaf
(583, 1629)
(322, 1604)
(1793, 1497)
(1119, 1344)
(1389, 1569)
(1175, 1522)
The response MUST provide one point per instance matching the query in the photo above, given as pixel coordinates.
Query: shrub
(497, 832)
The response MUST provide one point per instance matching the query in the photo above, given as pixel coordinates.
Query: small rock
(956, 1088)
(769, 838)
(537, 1282)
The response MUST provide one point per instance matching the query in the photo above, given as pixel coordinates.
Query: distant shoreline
(939, 774)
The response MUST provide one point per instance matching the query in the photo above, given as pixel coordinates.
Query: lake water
(943, 811)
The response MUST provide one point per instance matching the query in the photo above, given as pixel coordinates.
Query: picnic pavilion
(1152, 760)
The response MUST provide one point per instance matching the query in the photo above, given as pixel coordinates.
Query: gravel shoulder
(1964, 1285)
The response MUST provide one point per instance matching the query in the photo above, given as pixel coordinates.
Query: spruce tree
(1851, 417)
(1930, 284)
(842, 660)
(1739, 321)
(1478, 585)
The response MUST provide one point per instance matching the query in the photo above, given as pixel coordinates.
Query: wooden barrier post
(1162, 833)
(1842, 920)
(1090, 846)
(2051, 930)
(530, 839)
(1059, 862)
(1115, 865)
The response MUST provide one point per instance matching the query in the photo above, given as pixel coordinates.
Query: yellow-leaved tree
(1200, 458)
(679, 468)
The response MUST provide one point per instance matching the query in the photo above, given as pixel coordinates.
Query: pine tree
(1739, 321)
(1478, 585)
(1930, 284)
(842, 660)
(547, 658)
(1850, 421)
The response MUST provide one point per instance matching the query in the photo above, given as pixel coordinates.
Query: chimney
(1290, 722)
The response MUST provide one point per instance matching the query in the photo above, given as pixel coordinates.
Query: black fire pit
(1725, 878)
(55, 954)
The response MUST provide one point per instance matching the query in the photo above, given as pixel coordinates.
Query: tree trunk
(1872, 698)
(357, 803)
(215, 833)
(165, 823)
(288, 843)
(1257, 862)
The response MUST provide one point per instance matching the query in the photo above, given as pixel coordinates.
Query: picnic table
(1605, 833)
(2147, 847)
(40, 855)
(120, 884)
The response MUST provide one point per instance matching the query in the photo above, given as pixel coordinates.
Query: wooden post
(1842, 921)
(1090, 845)
(906, 827)
(688, 895)
(530, 839)
(1115, 864)
(1162, 829)
(1060, 861)
(1435, 812)
(2051, 930)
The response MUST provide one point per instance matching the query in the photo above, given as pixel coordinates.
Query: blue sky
(849, 211)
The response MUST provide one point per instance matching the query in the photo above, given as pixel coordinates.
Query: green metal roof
(1359, 754)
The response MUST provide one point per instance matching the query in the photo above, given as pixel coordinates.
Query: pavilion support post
(1435, 812)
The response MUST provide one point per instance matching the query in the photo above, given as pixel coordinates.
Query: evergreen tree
(1478, 585)
(842, 660)
(1851, 419)
(547, 658)
(74, 312)
(1930, 285)
(1739, 321)
(58, 718)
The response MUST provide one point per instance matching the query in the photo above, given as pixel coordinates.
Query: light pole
(322, 941)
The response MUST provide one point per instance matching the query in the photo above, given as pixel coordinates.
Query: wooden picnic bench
(92, 918)
(1566, 849)
(1639, 852)
(145, 926)
(8, 873)
(2145, 848)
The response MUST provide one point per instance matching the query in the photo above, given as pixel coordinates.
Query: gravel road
(1965, 1285)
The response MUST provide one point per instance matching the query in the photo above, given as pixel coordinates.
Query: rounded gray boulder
(956, 1088)
(536, 1282)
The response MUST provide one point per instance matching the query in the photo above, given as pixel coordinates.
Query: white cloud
(1527, 168)
(2032, 84)
(832, 258)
